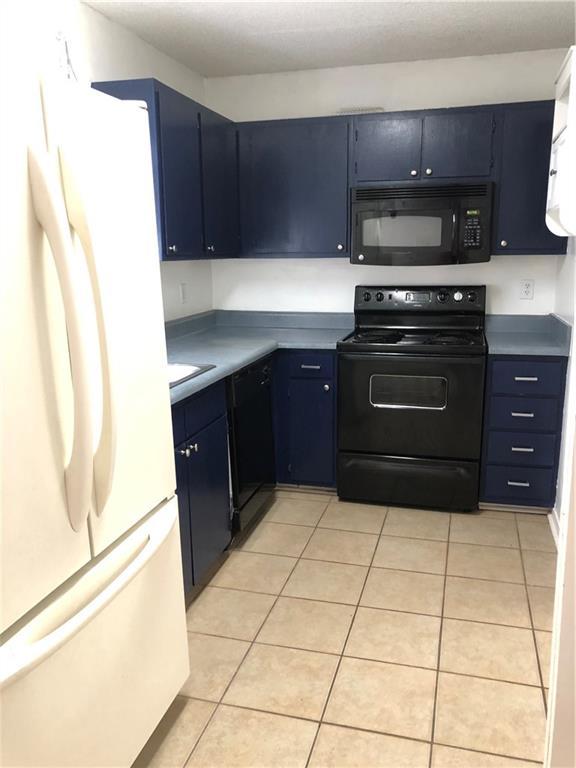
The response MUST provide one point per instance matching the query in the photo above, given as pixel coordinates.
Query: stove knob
(367, 295)
(443, 296)
(472, 296)
(458, 296)
(379, 296)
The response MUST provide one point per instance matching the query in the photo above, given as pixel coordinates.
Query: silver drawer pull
(310, 367)
(516, 484)
(517, 449)
(522, 415)
(525, 378)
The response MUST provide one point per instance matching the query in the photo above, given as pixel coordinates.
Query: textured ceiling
(243, 38)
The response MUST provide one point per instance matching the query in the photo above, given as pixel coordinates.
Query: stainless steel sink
(180, 372)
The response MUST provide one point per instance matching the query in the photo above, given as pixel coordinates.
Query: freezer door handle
(88, 595)
(50, 211)
(105, 454)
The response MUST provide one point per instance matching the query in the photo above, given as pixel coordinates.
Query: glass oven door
(405, 232)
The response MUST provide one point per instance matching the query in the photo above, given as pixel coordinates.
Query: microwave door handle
(48, 203)
(105, 454)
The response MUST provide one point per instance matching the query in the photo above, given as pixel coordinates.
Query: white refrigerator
(92, 609)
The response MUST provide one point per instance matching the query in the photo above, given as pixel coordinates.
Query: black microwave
(421, 225)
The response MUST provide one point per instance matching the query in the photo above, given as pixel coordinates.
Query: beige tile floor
(344, 635)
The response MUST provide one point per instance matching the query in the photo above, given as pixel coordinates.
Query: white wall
(405, 85)
(327, 285)
(197, 278)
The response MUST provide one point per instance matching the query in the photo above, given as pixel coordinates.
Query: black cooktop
(428, 340)
(425, 320)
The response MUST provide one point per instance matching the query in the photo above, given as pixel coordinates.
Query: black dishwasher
(251, 441)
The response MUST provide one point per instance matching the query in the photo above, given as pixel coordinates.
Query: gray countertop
(232, 340)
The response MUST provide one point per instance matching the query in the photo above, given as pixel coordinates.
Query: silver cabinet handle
(173, 249)
(518, 449)
(326, 387)
(521, 415)
(360, 257)
(525, 378)
(517, 484)
(310, 367)
(504, 243)
(184, 452)
(553, 171)
(211, 248)
(413, 172)
(340, 247)
(428, 171)
(193, 447)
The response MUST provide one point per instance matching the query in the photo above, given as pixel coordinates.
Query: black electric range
(410, 397)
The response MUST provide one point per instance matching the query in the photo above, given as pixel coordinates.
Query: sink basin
(179, 372)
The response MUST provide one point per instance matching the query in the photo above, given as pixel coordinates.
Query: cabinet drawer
(204, 408)
(317, 365)
(526, 449)
(526, 377)
(525, 414)
(519, 485)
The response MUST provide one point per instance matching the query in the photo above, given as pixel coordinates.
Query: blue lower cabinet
(522, 430)
(305, 417)
(202, 482)
(209, 496)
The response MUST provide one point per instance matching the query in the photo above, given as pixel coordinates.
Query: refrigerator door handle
(50, 212)
(105, 454)
(71, 611)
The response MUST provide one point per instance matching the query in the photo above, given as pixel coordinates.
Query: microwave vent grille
(428, 191)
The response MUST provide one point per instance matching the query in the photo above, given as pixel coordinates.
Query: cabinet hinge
(355, 166)
(356, 135)
(290, 468)
(493, 125)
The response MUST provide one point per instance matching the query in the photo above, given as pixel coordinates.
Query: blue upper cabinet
(195, 165)
(444, 144)
(521, 194)
(294, 187)
(181, 175)
(220, 185)
(387, 149)
(457, 144)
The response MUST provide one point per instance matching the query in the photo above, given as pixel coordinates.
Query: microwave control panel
(472, 236)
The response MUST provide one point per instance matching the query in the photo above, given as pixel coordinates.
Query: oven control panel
(425, 299)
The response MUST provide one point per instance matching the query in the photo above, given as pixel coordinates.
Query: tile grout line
(532, 627)
(384, 567)
(435, 703)
(363, 729)
(250, 646)
(363, 658)
(336, 671)
(380, 608)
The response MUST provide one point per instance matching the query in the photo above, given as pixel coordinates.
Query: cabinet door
(312, 434)
(220, 185)
(457, 144)
(294, 187)
(209, 495)
(181, 175)
(182, 492)
(521, 199)
(387, 149)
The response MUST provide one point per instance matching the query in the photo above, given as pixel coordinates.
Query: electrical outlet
(527, 289)
(183, 293)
